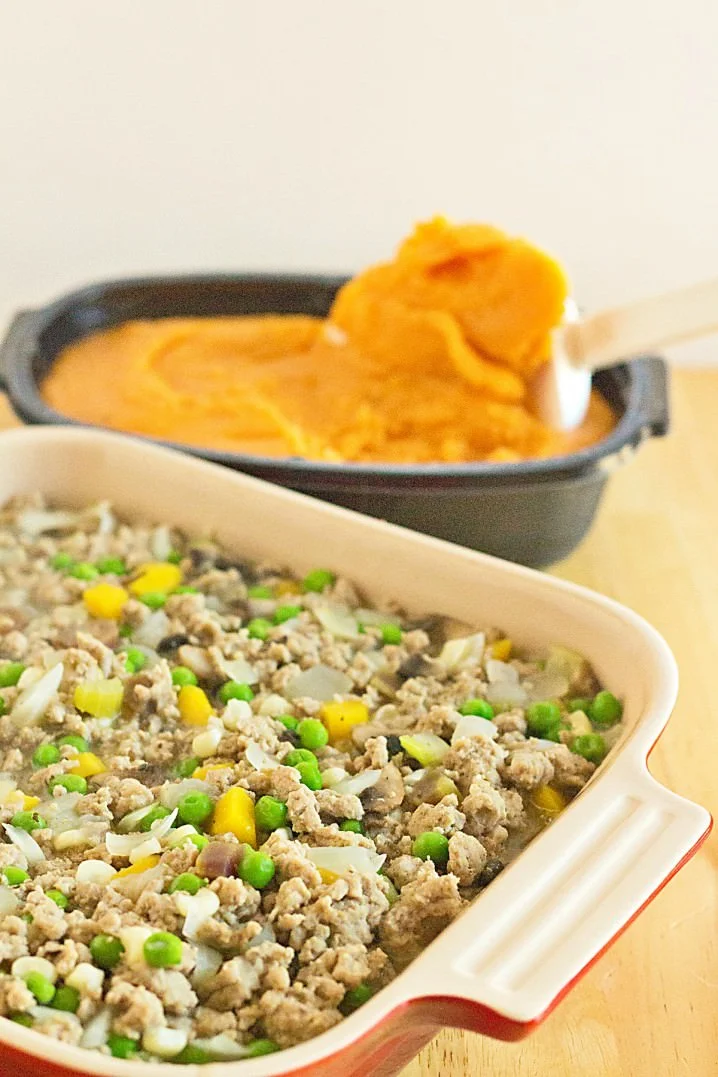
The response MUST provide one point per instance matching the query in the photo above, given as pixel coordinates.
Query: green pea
(431, 846)
(235, 690)
(579, 705)
(299, 755)
(67, 999)
(352, 826)
(22, 1019)
(270, 813)
(199, 840)
(480, 708)
(312, 733)
(591, 746)
(27, 820)
(318, 580)
(181, 676)
(390, 634)
(125, 631)
(158, 811)
(3, 706)
(45, 755)
(121, 1046)
(286, 613)
(40, 987)
(14, 876)
(356, 997)
(257, 1048)
(259, 591)
(288, 721)
(259, 628)
(10, 674)
(134, 659)
(255, 868)
(188, 882)
(192, 1054)
(72, 741)
(174, 557)
(544, 720)
(111, 566)
(83, 570)
(186, 767)
(185, 589)
(60, 899)
(61, 560)
(73, 783)
(195, 808)
(310, 775)
(106, 951)
(162, 950)
(154, 599)
(605, 709)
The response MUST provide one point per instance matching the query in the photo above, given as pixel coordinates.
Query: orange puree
(421, 359)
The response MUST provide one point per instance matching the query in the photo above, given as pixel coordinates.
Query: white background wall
(155, 135)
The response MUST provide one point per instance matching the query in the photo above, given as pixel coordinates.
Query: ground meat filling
(233, 803)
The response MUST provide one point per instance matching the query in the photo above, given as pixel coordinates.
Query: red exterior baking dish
(506, 962)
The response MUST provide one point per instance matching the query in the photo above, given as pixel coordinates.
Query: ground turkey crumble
(235, 804)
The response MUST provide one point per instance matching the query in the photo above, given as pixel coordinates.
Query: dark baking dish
(534, 512)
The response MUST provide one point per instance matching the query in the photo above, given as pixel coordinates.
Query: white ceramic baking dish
(505, 963)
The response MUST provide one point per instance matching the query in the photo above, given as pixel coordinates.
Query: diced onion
(332, 775)
(274, 705)
(171, 795)
(25, 843)
(235, 713)
(207, 742)
(181, 835)
(358, 783)
(7, 788)
(86, 978)
(239, 669)
(23, 966)
(46, 1013)
(34, 522)
(265, 935)
(546, 684)
(98, 1029)
(501, 672)
(128, 823)
(164, 1042)
(94, 871)
(31, 704)
(208, 962)
(258, 758)
(84, 835)
(134, 885)
(161, 542)
(320, 682)
(338, 620)
(153, 630)
(222, 1047)
(196, 909)
(133, 939)
(463, 652)
(376, 617)
(504, 694)
(9, 902)
(472, 725)
(427, 748)
(150, 847)
(340, 859)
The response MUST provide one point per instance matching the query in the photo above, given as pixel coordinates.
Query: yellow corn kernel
(234, 814)
(106, 600)
(201, 772)
(287, 587)
(548, 800)
(156, 576)
(28, 803)
(194, 707)
(87, 764)
(340, 718)
(101, 698)
(144, 864)
(328, 876)
(501, 649)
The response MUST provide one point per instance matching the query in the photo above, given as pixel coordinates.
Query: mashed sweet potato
(422, 359)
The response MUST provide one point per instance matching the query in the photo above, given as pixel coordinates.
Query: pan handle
(502, 966)
(652, 395)
(18, 345)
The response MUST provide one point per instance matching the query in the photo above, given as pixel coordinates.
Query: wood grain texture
(649, 1007)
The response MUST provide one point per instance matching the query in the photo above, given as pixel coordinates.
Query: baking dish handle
(502, 967)
(19, 343)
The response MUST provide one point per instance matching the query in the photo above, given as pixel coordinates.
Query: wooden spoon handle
(605, 338)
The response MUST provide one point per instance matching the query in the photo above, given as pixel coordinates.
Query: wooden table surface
(649, 1008)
